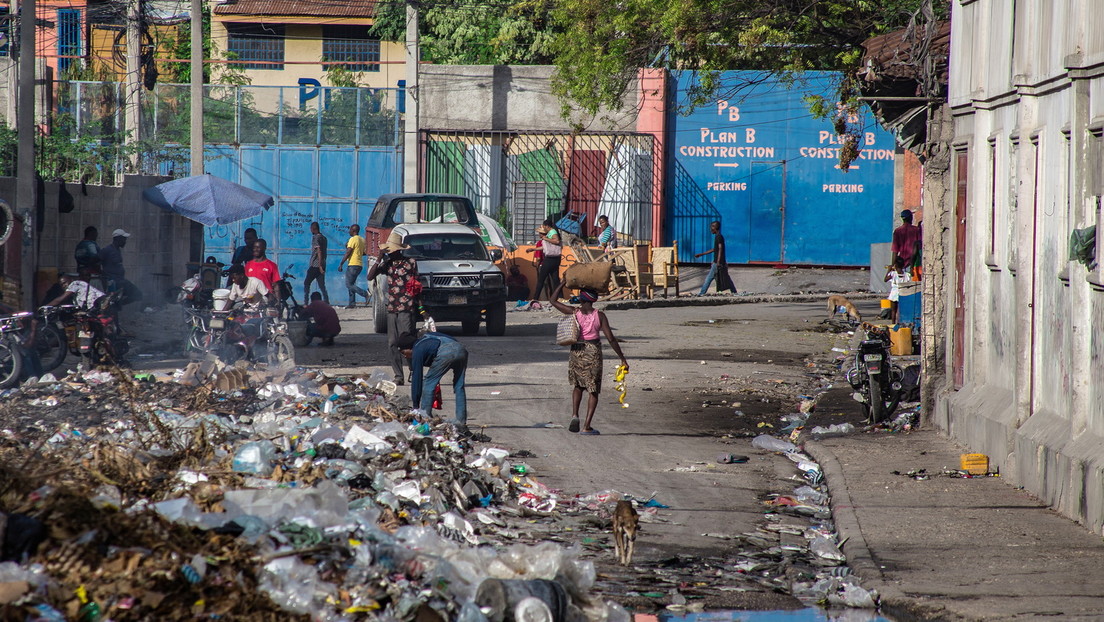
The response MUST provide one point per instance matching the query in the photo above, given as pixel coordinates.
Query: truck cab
(392, 210)
(460, 281)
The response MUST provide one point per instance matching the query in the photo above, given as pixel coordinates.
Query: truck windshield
(429, 209)
(446, 246)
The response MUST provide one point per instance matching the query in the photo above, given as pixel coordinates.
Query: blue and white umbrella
(208, 200)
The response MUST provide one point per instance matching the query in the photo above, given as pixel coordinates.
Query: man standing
(718, 270)
(111, 266)
(440, 353)
(354, 255)
(906, 242)
(244, 252)
(261, 267)
(88, 252)
(316, 271)
(326, 326)
(400, 271)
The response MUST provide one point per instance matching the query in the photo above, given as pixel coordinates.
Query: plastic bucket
(220, 299)
(297, 332)
(900, 341)
(503, 597)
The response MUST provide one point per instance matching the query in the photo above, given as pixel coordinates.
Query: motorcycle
(234, 334)
(290, 308)
(875, 379)
(98, 339)
(56, 333)
(11, 355)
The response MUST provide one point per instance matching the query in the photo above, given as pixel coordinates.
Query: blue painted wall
(768, 170)
(337, 186)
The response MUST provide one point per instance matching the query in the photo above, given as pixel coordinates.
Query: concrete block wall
(501, 97)
(155, 256)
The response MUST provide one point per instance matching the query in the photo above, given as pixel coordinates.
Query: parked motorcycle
(56, 331)
(234, 334)
(289, 307)
(875, 379)
(98, 339)
(11, 356)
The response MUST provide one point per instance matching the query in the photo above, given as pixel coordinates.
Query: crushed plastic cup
(770, 443)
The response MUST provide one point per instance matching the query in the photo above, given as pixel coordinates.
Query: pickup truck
(460, 281)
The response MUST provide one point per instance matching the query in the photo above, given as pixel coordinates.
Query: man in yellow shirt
(354, 255)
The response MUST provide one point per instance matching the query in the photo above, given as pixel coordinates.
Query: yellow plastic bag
(619, 379)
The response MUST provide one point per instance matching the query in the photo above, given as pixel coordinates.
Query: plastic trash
(294, 585)
(504, 595)
(810, 495)
(770, 443)
(834, 429)
(255, 457)
(825, 549)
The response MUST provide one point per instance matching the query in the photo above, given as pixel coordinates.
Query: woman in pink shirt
(584, 367)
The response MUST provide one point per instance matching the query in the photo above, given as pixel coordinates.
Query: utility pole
(133, 88)
(197, 87)
(25, 187)
(410, 131)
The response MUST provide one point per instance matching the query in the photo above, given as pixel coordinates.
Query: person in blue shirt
(88, 252)
(440, 353)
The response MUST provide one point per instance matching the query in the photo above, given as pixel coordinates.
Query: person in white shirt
(248, 289)
(78, 292)
(895, 276)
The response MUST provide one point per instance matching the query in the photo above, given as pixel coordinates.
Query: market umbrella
(208, 199)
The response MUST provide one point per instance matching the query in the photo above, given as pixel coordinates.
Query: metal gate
(609, 173)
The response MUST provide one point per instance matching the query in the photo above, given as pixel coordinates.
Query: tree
(605, 43)
(519, 32)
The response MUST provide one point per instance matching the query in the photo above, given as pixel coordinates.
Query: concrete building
(283, 42)
(1020, 371)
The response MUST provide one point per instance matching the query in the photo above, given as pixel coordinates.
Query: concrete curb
(713, 301)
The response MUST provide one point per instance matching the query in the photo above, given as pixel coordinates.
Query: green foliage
(520, 32)
(604, 43)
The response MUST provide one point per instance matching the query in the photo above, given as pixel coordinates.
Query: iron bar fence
(591, 174)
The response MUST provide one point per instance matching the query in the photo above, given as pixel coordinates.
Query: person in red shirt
(261, 267)
(906, 242)
(325, 326)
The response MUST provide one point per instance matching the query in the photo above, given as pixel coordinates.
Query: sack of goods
(594, 276)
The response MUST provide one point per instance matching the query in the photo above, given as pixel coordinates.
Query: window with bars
(351, 47)
(68, 38)
(261, 44)
(5, 32)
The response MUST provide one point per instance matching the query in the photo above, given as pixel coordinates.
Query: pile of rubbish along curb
(266, 495)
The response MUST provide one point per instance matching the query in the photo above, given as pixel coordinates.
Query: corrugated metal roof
(314, 8)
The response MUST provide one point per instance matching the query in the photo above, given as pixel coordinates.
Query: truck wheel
(496, 319)
(470, 326)
(379, 310)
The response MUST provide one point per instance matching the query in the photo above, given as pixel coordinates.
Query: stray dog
(840, 304)
(625, 523)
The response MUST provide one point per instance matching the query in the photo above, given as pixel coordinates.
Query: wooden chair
(665, 268)
(632, 275)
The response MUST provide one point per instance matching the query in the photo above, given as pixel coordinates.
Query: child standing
(584, 366)
(895, 276)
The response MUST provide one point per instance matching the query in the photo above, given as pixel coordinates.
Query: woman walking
(584, 366)
(549, 268)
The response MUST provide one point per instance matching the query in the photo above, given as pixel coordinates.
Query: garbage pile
(816, 571)
(271, 495)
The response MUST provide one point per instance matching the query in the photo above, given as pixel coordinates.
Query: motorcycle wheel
(51, 346)
(11, 364)
(877, 403)
(280, 350)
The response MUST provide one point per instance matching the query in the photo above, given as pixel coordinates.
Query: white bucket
(220, 299)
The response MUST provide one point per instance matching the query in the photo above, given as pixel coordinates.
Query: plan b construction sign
(760, 162)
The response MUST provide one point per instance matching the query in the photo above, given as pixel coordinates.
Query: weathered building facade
(1023, 338)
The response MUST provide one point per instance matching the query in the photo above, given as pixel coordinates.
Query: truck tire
(379, 310)
(496, 319)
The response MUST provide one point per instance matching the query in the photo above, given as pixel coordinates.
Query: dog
(836, 302)
(625, 524)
